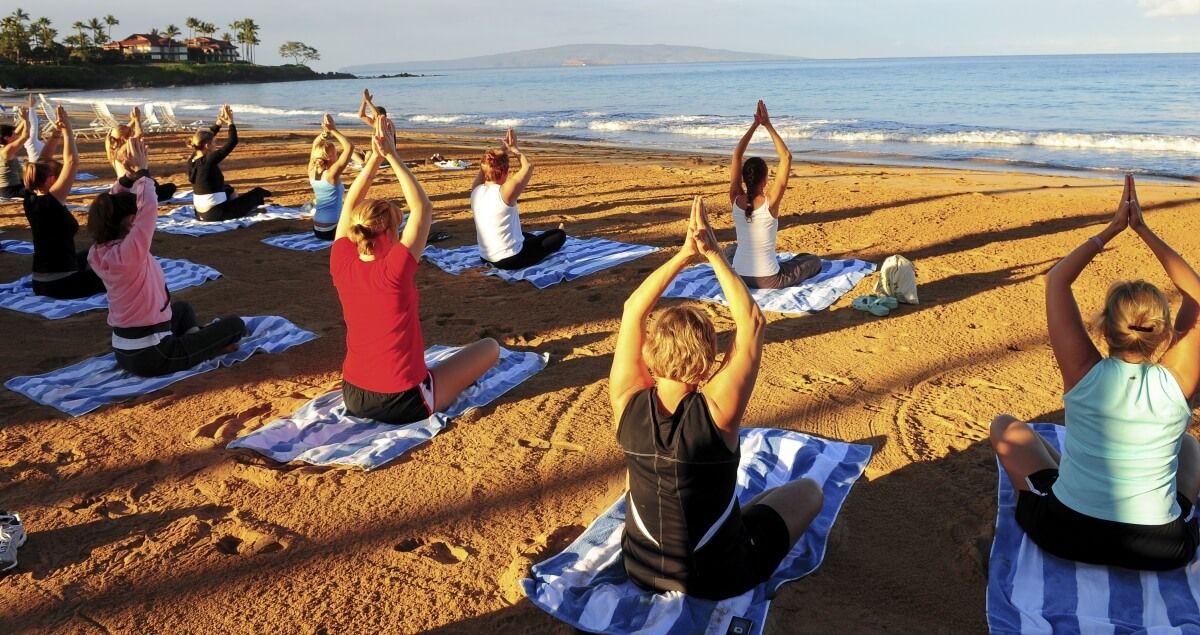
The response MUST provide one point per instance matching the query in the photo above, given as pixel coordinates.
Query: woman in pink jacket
(151, 335)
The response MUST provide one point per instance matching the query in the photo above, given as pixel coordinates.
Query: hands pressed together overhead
(700, 241)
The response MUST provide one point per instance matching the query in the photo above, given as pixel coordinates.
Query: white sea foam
(436, 118)
(511, 122)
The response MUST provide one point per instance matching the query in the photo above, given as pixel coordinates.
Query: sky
(446, 29)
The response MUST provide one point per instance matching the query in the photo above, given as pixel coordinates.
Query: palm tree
(43, 33)
(97, 28)
(171, 32)
(248, 33)
(191, 25)
(236, 25)
(20, 16)
(110, 22)
(79, 27)
(206, 28)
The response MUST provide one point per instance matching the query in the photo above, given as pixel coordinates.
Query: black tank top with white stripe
(681, 499)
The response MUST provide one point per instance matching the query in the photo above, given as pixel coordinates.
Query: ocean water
(1077, 112)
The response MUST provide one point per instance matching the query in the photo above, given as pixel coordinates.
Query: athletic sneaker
(12, 536)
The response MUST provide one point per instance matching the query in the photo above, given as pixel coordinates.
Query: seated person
(117, 137)
(213, 199)
(12, 141)
(1123, 491)
(59, 271)
(677, 412)
(384, 376)
(494, 197)
(151, 335)
(325, 167)
(756, 215)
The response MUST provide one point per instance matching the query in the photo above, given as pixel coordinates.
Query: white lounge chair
(150, 120)
(169, 118)
(104, 116)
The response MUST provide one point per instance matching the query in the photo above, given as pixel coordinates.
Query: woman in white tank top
(753, 256)
(497, 222)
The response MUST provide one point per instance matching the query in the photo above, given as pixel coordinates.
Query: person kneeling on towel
(677, 422)
(151, 335)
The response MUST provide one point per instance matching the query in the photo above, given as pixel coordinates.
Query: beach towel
(179, 198)
(17, 247)
(85, 176)
(95, 382)
(90, 189)
(183, 220)
(1031, 591)
(18, 296)
(836, 278)
(455, 164)
(577, 258)
(323, 434)
(586, 585)
(304, 241)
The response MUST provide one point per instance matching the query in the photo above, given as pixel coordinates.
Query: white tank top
(755, 254)
(497, 225)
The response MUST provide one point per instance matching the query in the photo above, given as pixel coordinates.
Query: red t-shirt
(384, 348)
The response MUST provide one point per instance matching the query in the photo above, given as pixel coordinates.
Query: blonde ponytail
(1136, 319)
(370, 220)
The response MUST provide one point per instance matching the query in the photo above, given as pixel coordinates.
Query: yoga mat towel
(1030, 591)
(837, 277)
(17, 247)
(586, 586)
(183, 220)
(18, 296)
(577, 258)
(323, 434)
(304, 241)
(95, 382)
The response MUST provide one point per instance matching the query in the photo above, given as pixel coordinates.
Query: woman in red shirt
(384, 376)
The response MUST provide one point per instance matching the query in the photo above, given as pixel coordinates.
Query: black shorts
(414, 404)
(1066, 533)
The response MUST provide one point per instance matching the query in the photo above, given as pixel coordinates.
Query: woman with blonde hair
(677, 411)
(59, 271)
(1123, 491)
(117, 137)
(756, 201)
(384, 376)
(213, 199)
(494, 197)
(325, 167)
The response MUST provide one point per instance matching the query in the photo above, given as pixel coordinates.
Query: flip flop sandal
(888, 301)
(870, 304)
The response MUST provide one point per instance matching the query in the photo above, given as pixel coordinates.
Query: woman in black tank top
(684, 527)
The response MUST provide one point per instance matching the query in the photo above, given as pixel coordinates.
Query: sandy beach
(140, 520)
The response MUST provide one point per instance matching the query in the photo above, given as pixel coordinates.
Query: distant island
(573, 55)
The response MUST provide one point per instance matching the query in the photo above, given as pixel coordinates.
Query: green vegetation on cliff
(102, 76)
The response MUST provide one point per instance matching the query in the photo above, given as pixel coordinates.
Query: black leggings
(84, 283)
(233, 207)
(324, 235)
(182, 350)
(164, 191)
(535, 249)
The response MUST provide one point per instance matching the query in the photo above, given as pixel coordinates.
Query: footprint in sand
(440, 550)
(543, 444)
(531, 552)
(227, 427)
(240, 535)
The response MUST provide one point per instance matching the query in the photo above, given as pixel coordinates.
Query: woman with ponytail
(58, 270)
(213, 199)
(494, 197)
(756, 215)
(325, 167)
(1124, 489)
(384, 376)
(151, 335)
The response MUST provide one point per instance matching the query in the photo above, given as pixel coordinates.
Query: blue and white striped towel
(85, 176)
(17, 247)
(1030, 591)
(18, 296)
(179, 198)
(183, 220)
(837, 277)
(95, 382)
(304, 241)
(577, 258)
(90, 189)
(323, 434)
(586, 585)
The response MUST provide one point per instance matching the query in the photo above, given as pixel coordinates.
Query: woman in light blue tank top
(325, 167)
(1123, 490)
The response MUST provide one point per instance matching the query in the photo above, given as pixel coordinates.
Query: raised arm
(20, 135)
(135, 123)
(735, 162)
(1073, 348)
(136, 162)
(366, 109)
(629, 373)
(729, 389)
(70, 164)
(334, 172)
(232, 140)
(50, 147)
(420, 216)
(515, 184)
(359, 188)
(783, 172)
(1183, 356)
